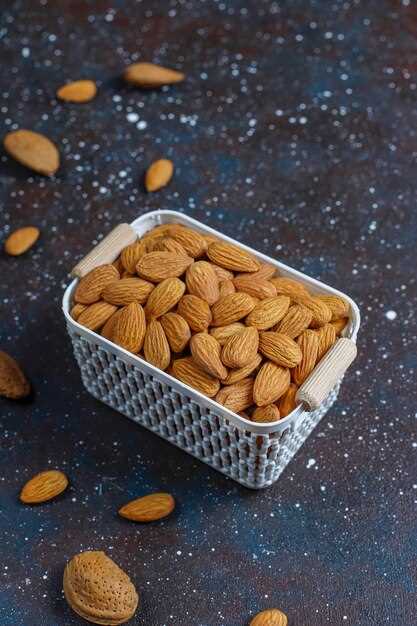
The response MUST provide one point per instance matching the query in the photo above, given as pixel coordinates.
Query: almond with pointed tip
(33, 150)
(150, 508)
(108, 328)
(232, 257)
(192, 241)
(265, 272)
(43, 487)
(127, 290)
(226, 287)
(232, 308)
(13, 382)
(270, 617)
(195, 311)
(151, 76)
(176, 330)
(78, 91)
(156, 346)
(164, 297)
(168, 244)
(340, 325)
(205, 351)
(271, 382)
(289, 287)
(240, 348)
(268, 413)
(222, 333)
(338, 306)
(222, 273)
(130, 328)
(256, 287)
(188, 372)
(268, 312)
(280, 349)
(237, 397)
(130, 255)
(321, 313)
(92, 285)
(76, 310)
(309, 344)
(327, 337)
(96, 315)
(158, 174)
(201, 281)
(157, 266)
(21, 240)
(235, 375)
(297, 319)
(287, 402)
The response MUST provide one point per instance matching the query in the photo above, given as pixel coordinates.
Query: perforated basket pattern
(253, 460)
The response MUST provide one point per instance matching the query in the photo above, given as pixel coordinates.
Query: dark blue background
(295, 132)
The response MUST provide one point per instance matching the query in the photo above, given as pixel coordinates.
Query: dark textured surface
(294, 132)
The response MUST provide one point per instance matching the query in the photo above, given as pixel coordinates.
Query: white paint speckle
(391, 315)
(132, 117)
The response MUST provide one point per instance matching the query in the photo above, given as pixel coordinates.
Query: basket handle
(106, 251)
(330, 369)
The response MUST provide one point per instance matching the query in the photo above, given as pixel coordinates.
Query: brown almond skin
(287, 402)
(268, 413)
(338, 306)
(270, 617)
(33, 150)
(78, 91)
(237, 397)
(327, 337)
(202, 281)
(271, 382)
(195, 311)
(43, 487)
(130, 255)
(321, 312)
(289, 287)
(188, 372)
(158, 174)
(226, 287)
(168, 244)
(150, 508)
(280, 349)
(309, 344)
(193, 242)
(76, 310)
(232, 308)
(92, 285)
(221, 272)
(130, 328)
(157, 266)
(108, 328)
(151, 76)
(240, 348)
(164, 297)
(21, 240)
(13, 382)
(176, 330)
(268, 312)
(156, 347)
(256, 287)
(265, 272)
(96, 315)
(340, 325)
(205, 351)
(232, 257)
(297, 319)
(235, 375)
(127, 290)
(222, 333)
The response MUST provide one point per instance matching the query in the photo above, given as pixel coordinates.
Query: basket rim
(146, 222)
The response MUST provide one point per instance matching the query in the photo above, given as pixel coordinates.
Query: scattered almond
(232, 257)
(176, 330)
(201, 281)
(150, 508)
(270, 617)
(280, 349)
(13, 382)
(96, 315)
(130, 327)
(241, 348)
(268, 413)
(156, 266)
(195, 311)
(287, 402)
(78, 91)
(271, 382)
(237, 397)
(126, 290)
(187, 371)
(164, 297)
(232, 308)
(159, 174)
(151, 76)
(43, 487)
(32, 150)
(156, 346)
(92, 285)
(268, 312)
(205, 351)
(21, 240)
(309, 344)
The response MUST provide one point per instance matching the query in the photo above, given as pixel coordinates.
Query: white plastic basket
(251, 453)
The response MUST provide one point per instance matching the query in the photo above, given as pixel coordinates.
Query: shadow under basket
(253, 454)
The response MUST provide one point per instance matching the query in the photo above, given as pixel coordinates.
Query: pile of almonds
(214, 317)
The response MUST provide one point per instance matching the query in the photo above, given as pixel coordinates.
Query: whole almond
(340, 325)
(151, 76)
(78, 91)
(13, 382)
(327, 337)
(205, 351)
(309, 344)
(131, 255)
(156, 346)
(222, 333)
(268, 413)
(20, 240)
(156, 266)
(150, 237)
(226, 287)
(108, 328)
(127, 290)
(164, 297)
(297, 319)
(287, 402)
(188, 372)
(237, 397)
(232, 257)
(76, 310)
(265, 272)
(117, 263)
(338, 306)
(96, 315)
(43, 487)
(258, 288)
(322, 314)
(270, 617)
(222, 273)
(195, 311)
(98, 590)
(240, 348)
(168, 244)
(289, 287)
(193, 242)
(268, 312)
(130, 327)
(232, 308)
(280, 349)
(92, 285)
(234, 376)
(32, 150)
(150, 508)
(201, 281)
(158, 174)
(271, 382)
(176, 330)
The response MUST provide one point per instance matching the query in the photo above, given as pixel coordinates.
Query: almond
(176, 330)
(156, 346)
(20, 240)
(236, 375)
(265, 272)
(237, 397)
(96, 315)
(168, 244)
(222, 274)
(158, 174)
(188, 372)
(78, 91)
(289, 287)
(258, 288)
(327, 337)
(270, 617)
(117, 263)
(156, 266)
(201, 281)
(76, 310)
(340, 325)
(271, 382)
(131, 255)
(164, 297)
(226, 287)
(108, 328)
(222, 333)
(309, 344)
(92, 285)
(130, 327)
(150, 508)
(127, 290)
(231, 308)
(43, 487)
(193, 242)
(98, 590)
(13, 382)
(150, 237)
(195, 311)
(240, 348)
(297, 319)
(205, 351)
(32, 150)
(268, 413)
(320, 311)
(339, 307)
(150, 76)
(287, 402)
(232, 257)
(268, 312)
(280, 349)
